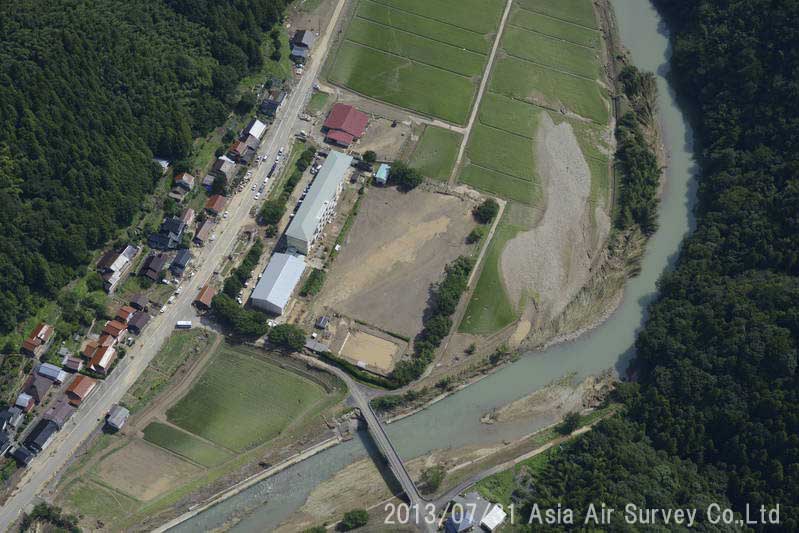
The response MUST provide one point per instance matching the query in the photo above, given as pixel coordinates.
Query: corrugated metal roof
(280, 278)
(304, 224)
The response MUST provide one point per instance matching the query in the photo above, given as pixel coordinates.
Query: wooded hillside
(90, 91)
(717, 360)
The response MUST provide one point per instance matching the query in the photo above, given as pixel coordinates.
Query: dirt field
(397, 248)
(144, 471)
(385, 141)
(374, 351)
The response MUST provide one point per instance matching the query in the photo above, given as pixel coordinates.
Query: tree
(246, 103)
(219, 185)
(486, 211)
(369, 156)
(432, 478)
(288, 336)
(354, 519)
(405, 177)
(272, 211)
(570, 422)
(475, 235)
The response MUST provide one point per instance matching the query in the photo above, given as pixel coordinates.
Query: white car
(171, 299)
(225, 214)
(280, 151)
(253, 187)
(179, 289)
(257, 196)
(163, 309)
(238, 300)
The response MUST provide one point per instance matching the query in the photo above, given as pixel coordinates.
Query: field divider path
(553, 37)
(420, 35)
(395, 8)
(565, 21)
(406, 58)
(550, 67)
(480, 91)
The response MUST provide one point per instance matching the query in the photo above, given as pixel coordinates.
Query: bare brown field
(397, 248)
(376, 353)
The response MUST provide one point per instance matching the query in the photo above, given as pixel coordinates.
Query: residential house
(80, 389)
(102, 360)
(25, 402)
(203, 232)
(299, 55)
(125, 313)
(139, 302)
(39, 340)
(89, 349)
(11, 418)
(52, 372)
(22, 455)
(137, 323)
(204, 297)
(344, 125)
(301, 44)
(41, 436)
(320, 203)
(37, 387)
(224, 167)
(153, 265)
(471, 511)
(239, 150)
(73, 364)
(59, 412)
(64, 352)
(185, 181)
(117, 417)
(5, 443)
(322, 322)
(115, 265)
(215, 204)
(188, 216)
(180, 262)
(256, 128)
(169, 234)
(381, 176)
(208, 182)
(277, 284)
(273, 101)
(115, 329)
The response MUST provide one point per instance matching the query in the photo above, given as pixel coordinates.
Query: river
(455, 421)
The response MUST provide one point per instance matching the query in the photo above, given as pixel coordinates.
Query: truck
(183, 324)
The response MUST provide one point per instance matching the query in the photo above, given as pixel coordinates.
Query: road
(91, 413)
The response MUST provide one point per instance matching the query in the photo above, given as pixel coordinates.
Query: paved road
(91, 413)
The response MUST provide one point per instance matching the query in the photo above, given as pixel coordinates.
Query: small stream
(455, 421)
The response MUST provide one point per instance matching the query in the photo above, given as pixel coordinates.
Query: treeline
(244, 323)
(718, 388)
(273, 210)
(241, 274)
(90, 91)
(437, 322)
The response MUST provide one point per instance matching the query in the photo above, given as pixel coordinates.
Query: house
(316, 346)
(80, 389)
(25, 402)
(493, 519)
(52, 372)
(322, 322)
(59, 412)
(169, 234)
(64, 352)
(106, 339)
(299, 55)
(381, 176)
(153, 266)
(344, 125)
(41, 436)
(178, 194)
(223, 167)
(117, 417)
(22, 455)
(208, 182)
(37, 388)
(248, 155)
(125, 313)
(115, 328)
(204, 297)
(273, 101)
(470, 511)
(138, 322)
(215, 204)
(185, 181)
(5, 443)
(39, 340)
(180, 262)
(11, 418)
(139, 302)
(301, 44)
(188, 216)
(73, 364)
(319, 204)
(277, 284)
(114, 266)
(256, 128)
(203, 232)
(103, 358)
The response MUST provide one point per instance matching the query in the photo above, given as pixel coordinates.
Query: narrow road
(483, 84)
(110, 391)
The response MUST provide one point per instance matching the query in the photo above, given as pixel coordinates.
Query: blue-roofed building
(319, 204)
(381, 176)
(280, 278)
(180, 262)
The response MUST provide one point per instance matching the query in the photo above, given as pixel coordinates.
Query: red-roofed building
(39, 340)
(103, 358)
(124, 313)
(344, 125)
(204, 298)
(215, 204)
(115, 328)
(79, 389)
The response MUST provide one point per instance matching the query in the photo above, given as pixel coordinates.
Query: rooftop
(348, 119)
(279, 280)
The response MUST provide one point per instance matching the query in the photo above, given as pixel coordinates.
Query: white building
(319, 204)
(256, 128)
(278, 282)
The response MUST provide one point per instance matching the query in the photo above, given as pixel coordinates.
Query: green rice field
(554, 28)
(241, 401)
(503, 185)
(551, 52)
(512, 115)
(575, 11)
(502, 151)
(435, 153)
(184, 444)
(479, 16)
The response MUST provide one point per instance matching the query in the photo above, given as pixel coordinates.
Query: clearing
(184, 444)
(376, 353)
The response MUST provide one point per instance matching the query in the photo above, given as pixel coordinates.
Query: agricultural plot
(511, 115)
(480, 16)
(499, 150)
(92, 499)
(500, 184)
(241, 401)
(546, 87)
(554, 28)
(402, 82)
(575, 11)
(415, 47)
(409, 22)
(551, 52)
(435, 153)
(184, 444)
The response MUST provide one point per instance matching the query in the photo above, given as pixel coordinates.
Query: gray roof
(51, 371)
(117, 416)
(280, 278)
(303, 38)
(297, 51)
(323, 188)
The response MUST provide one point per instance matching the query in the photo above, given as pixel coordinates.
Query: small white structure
(52, 372)
(280, 278)
(256, 128)
(117, 417)
(493, 519)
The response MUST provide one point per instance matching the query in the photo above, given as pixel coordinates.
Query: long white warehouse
(319, 204)
(280, 278)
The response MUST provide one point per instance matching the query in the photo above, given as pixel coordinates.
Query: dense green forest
(717, 385)
(90, 91)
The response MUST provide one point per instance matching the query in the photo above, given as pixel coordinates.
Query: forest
(90, 92)
(713, 414)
